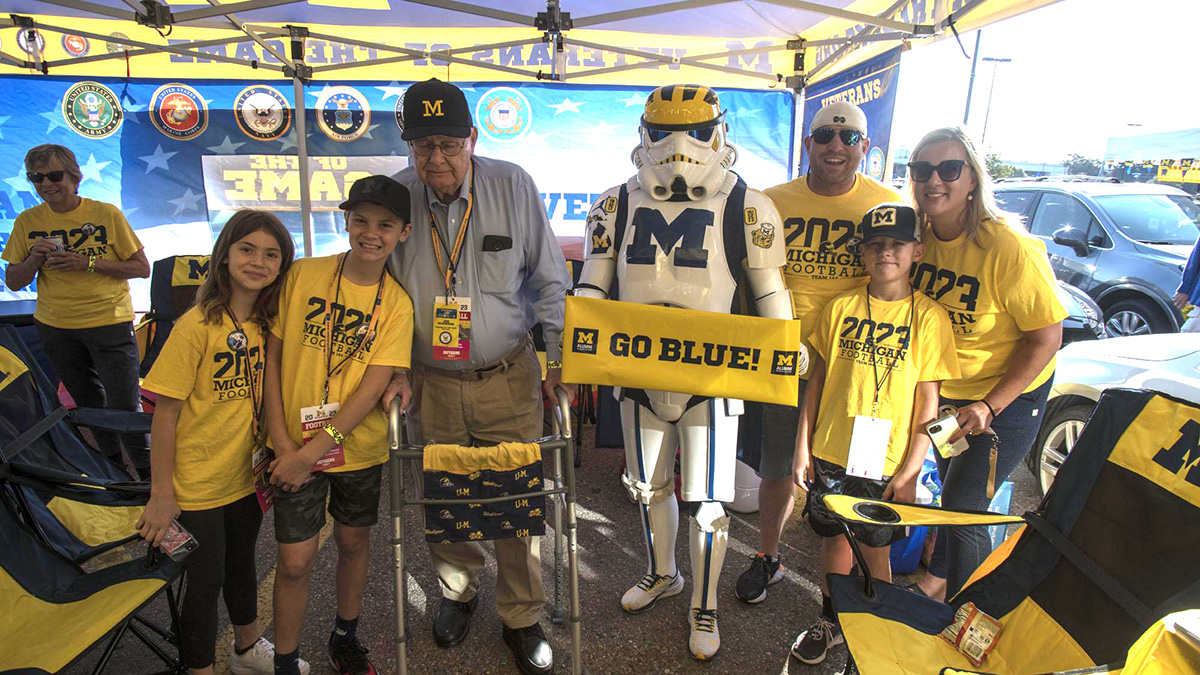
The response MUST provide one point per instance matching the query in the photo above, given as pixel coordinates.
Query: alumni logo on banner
(669, 349)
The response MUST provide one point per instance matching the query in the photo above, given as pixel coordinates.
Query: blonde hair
(41, 155)
(981, 204)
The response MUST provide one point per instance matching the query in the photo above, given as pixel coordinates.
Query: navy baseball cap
(434, 108)
(380, 190)
(891, 220)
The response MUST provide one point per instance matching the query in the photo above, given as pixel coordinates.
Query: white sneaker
(260, 660)
(648, 590)
(706, 637)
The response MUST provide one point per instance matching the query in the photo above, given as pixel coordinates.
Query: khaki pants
(505, 405)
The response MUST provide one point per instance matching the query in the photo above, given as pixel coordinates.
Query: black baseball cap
(434, 108)
(380, 190)
(891, 220)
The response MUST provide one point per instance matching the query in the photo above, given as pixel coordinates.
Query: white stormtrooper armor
(684, 232)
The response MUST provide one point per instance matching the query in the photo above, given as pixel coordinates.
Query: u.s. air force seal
(343, 114)
(178, 111)
(262, 112)
(92, 110)
(503, 114)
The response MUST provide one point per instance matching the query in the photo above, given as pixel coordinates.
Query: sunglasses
(703, 135)
(849, 136)
(36, 177)
(949, 170)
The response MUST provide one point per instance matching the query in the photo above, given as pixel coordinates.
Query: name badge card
(868, 447)
(260, 460)
(312, 422)
(451, 329)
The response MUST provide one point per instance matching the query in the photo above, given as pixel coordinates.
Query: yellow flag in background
(627, 344)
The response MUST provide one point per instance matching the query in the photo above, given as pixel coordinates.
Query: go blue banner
(141, 146)
(871, 85)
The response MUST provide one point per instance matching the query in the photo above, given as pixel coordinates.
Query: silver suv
(1124, 244)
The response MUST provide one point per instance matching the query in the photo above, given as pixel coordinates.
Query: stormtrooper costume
(685, 231)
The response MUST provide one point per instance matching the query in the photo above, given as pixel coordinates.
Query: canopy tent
(759, 44)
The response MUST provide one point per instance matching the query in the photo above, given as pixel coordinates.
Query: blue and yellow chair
(1112, 549)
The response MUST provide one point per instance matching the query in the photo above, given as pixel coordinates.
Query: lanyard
(253, 370)
(450, 269)
(871, 345)
(364, 332)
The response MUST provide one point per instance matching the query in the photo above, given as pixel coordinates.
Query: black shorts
(353, 501)
(834, 481)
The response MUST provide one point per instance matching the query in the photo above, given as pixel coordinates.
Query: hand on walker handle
(399, 387)
(554, 381)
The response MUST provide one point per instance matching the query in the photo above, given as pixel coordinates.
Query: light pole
(991, 90)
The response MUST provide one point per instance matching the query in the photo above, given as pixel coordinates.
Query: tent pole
(301, 108)
(971, 82)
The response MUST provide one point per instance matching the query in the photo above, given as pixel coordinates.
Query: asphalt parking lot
(754, 638)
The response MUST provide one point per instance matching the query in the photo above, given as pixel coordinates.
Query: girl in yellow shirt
(206, 428)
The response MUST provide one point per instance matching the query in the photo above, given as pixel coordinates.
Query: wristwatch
(553, 364)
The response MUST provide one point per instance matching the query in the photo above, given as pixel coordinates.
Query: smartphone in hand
(940, 430)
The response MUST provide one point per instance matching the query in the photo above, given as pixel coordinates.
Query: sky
(1081, 72)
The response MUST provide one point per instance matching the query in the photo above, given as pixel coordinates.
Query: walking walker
(561, 493)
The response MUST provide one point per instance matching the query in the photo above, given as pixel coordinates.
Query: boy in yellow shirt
(344, 325)
(882, 349)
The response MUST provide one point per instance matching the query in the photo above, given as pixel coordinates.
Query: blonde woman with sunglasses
(995, 282)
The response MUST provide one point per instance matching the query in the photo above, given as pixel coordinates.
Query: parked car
(1124, 244)
(1084, 320)
(1169, 363)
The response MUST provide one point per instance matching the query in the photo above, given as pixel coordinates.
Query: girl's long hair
(218, 287)
(983, 205)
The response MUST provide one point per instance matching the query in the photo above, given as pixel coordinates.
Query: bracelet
(989, 407)
(336, 435)
(553, 364)
(91, 264)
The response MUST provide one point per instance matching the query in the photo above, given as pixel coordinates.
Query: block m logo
(687, 230)
(433, 108)
(1184, 454)
(758, 61)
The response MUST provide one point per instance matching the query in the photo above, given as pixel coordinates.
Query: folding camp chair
(562, 493)
(1113, 547)
(71, 559)
(174, 282)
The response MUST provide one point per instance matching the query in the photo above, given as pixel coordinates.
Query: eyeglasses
(425, 148)
(703, 135)
(849, 136)
(949, 170)
(36, 177)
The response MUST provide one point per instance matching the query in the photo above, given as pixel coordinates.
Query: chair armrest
(876, 512)
(119, 421)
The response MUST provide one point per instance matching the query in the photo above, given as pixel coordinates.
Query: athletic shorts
(353, 501)
(834, 481)
(779, 423)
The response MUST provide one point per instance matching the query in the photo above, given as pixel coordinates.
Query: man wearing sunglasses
(81, 252)
(481, 255)
(821, 211)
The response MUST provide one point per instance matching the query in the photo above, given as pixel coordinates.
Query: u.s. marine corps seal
(92, 110)
(178, 111)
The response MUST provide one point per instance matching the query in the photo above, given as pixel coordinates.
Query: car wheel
(1135, 317)
(1055, 439)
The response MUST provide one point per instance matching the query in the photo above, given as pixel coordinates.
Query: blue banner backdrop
(575, 141)
(871, 86)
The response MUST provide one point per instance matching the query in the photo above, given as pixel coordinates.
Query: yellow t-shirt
(913, 343)
(817, 230)
(301, 325)
(78, 299)
(214, 437)
(993, 288)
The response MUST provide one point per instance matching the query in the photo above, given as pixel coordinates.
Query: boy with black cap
(883, 349)
(344, 325)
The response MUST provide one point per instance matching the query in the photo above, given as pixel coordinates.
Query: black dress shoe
(453, 621)
(529, 647)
